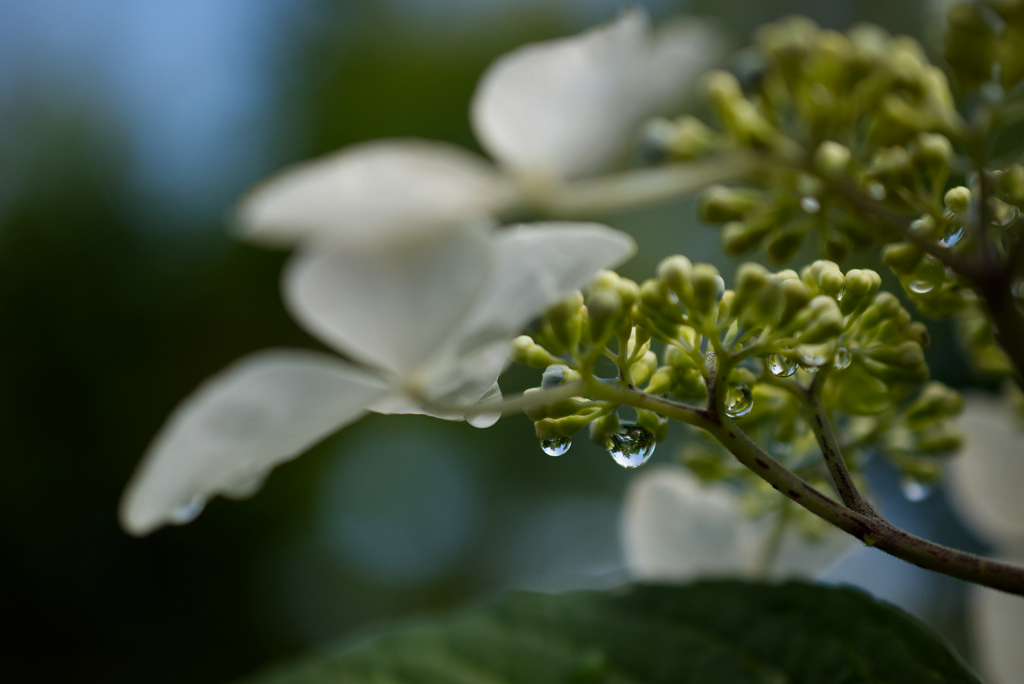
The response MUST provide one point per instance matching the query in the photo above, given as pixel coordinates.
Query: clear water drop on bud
(914, 490)
(739, 402)
(810, 204)
(631, 446)
(555, 446)
(813, 356)
(952, 236)
(188, 511)
(920, 286)
(781, 366)
(842, 359)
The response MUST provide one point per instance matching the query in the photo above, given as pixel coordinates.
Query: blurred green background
(127, 130)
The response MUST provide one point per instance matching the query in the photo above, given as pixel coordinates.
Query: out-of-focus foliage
(724, 632)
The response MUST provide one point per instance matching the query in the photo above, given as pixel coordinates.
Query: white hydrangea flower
(548, 113)
(986, 483)
(676, 528)
(426, 321)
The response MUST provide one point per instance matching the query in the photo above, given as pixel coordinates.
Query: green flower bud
(605, 311)
(604, 426)
(719, 204)
(1011, 184)
(831, 159)
(692, 138)
(529, 353)
(958, 199)
(932, 150)
(890, 163)
(907, 355)
(787, 41)
(795, 296)
(918, 332)
(629, 291)
(552, 428)
(902, 257)
(642, 369)
(708, 288)
(663, 380)
(821, 321)
(751, 278)
(935, 402)
(861, 287)
(675, 272)
(824, 276)
(968, 44)
(655, 424)
(565, 320)
(940, 442)
(721, 88)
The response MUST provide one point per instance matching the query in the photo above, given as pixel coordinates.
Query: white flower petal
(374, 193)
(535, 266)
(997, 625)
(261, 411)
(391, 308)
(676, 528)
(987, 477)
(569, 107)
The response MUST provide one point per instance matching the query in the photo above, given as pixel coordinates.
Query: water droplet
(842, 359)
(812, 356)
(914, 490)
(631, 446)
(920, 286)
(556, 446)
(876, 191)
(189, 511)
(739, 401)
(1008, 216)
(953, 236)
(780, 366)
(810, 204)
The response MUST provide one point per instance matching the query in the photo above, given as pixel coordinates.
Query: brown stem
(871, 529)
(830, 451)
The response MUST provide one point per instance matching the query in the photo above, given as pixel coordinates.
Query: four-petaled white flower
(549, 113)
(987, 486)
(426, 322)
(676, 528)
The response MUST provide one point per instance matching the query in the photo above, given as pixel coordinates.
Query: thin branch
(830, 448)
(872, 530)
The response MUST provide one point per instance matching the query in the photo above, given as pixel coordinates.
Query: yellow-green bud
(719, 204)
(902, 257)
(751, 278)
(529, 353)
(918, 332)
(907, 355)
(566, 321)
(795, 296)
(604, 311)
(739, 238)
(861, 287)
(691, 138)
(958, 199)
(708, 288)
(935, 402)
(629, 291)
(721, 88)
(675, 272)
(932, 150)
(940, 442)
(604, 426)
(1011, 184)
(655, 424)
(890, 163)
(822, 321)
(831, 159)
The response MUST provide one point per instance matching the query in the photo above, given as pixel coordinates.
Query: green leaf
(714, 632)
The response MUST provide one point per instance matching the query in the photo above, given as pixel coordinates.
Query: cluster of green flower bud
(983, 45)
(858, 110)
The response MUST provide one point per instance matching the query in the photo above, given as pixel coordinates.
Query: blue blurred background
(127, 130)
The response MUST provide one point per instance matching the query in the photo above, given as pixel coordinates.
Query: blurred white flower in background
(549, 113)
(676, 528)
(428, 321)
(987, 486)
